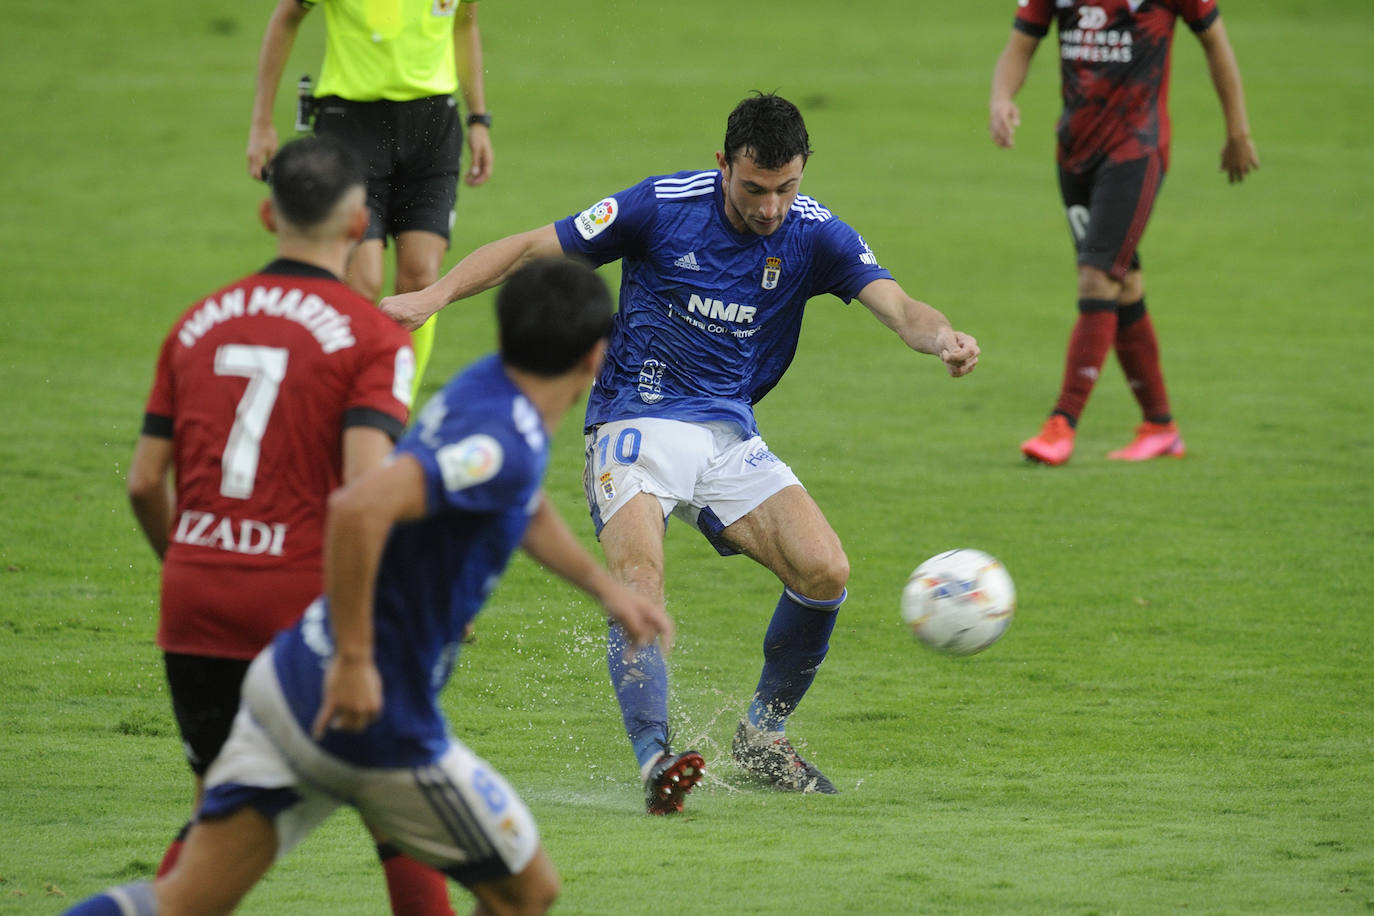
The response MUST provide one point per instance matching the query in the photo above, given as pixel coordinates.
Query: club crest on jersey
(772, 270)
(651, 382)
(607, 485)
(593, 221)
(444, 7)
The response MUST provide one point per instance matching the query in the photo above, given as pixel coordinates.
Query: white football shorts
(457, 814)
(710, 474)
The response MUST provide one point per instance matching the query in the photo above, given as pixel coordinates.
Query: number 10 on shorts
(625, 451)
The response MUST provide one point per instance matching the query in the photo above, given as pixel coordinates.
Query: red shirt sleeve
(1034, 17)
(381, 387)
(1199, 14)
(161, 401)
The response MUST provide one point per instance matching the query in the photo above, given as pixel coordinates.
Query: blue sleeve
(613, 227)
(470, 469)
(843, 262)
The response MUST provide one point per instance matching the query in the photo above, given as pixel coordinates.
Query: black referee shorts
(413, 152)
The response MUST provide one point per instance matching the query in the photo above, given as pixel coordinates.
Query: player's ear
(268, 215)
(591, 363)
(722, 163)
(357, 223)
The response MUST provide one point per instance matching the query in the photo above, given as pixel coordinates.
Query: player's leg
(532, 891)
(221, 861)
(235, 838)
(789, 535)
(412, 888)
(419, 255)
(636, 472)
(424, 189)
(366, 267)
(1123, 198)
(205, 699)
(632, 541)
(748, 501)
(1090, 338)
(1137, 350)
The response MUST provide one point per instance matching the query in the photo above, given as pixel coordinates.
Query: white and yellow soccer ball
(959, 602)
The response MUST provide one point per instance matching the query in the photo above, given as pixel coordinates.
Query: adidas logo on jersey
(688, 261)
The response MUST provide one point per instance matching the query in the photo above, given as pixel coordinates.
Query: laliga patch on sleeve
(594, 220)
(469, 462)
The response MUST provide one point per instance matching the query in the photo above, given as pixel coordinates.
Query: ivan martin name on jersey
(331, 329)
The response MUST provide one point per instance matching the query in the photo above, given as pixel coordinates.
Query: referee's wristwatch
(483, 119)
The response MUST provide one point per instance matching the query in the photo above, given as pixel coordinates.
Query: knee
(643, 574)
(1095, 283)
(411, 277)
(542, 895)
(827, 578)
(365, 283)
(539, 890)
(1132, 288)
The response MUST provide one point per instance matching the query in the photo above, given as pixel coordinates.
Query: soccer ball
(960, 601)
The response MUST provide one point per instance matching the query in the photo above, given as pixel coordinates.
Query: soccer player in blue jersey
(717, 267)
(342, 707)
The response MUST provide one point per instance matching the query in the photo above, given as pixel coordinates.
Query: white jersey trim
(698, 185)
(808, 208)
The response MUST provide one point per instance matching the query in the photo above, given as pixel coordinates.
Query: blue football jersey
(484, 451)
(709, 316)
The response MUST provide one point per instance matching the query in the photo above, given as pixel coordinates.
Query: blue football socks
(793, 648)
(641, 686)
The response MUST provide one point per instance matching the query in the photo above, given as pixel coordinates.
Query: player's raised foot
(771, 757)
(1053, 444)
(669, 780)
(1152, 440)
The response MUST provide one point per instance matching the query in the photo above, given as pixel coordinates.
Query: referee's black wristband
(483, 119)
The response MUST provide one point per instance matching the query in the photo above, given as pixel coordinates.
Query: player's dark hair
(551, 312)
(310, 176)
(769, 128)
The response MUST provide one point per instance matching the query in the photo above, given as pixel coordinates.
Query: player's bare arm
(361, 515)
(549, 541)
(921, 327)
(467, 56)
(1008, 76)
(485, 268)
(150, 490)
(364, 449)
(1238, 156)
(277, 42)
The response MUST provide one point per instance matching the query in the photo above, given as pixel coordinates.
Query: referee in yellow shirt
(391, 68)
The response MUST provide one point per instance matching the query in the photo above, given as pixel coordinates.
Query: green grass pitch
(1181, 717)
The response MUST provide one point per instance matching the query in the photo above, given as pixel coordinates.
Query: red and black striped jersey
(1114, 69)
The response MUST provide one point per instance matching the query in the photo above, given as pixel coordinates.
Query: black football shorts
(1107, 209)
(205, 699)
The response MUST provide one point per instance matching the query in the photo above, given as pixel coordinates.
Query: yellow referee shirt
(387, 49)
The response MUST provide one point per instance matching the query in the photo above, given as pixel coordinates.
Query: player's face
(757, 200)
